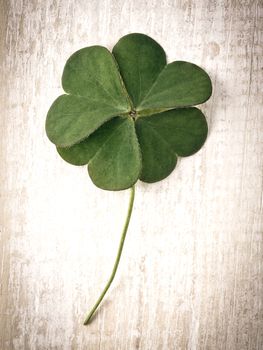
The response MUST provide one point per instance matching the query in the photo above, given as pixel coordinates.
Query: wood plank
(191, 275)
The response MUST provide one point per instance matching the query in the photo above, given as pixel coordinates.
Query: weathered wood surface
(191, 276)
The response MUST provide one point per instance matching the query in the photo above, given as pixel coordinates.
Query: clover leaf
(128, 115)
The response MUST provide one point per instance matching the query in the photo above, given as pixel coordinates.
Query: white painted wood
(191, 273)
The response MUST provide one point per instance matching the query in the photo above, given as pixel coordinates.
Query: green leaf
(162, 136)
(117, 163)
(97, 94)
(71, 119)
(92, 73)
(81, 153)
(158, 159)
(180, 84)
(140, 60)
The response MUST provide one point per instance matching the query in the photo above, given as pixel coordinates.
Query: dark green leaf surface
(81, 153)
(180, 84)
(140, 60)
(117, 164)
(162, 136)
(71, 119)
(158, 159)
(92, 73)
(97, 93)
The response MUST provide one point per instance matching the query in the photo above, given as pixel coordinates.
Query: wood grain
(191, 275)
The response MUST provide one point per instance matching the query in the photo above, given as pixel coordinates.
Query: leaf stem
(117, 260)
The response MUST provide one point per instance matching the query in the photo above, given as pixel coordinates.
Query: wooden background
(191, 275)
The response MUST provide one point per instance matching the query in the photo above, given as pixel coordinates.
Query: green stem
(117, 260)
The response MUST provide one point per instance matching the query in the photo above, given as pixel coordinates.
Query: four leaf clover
(128, 114)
